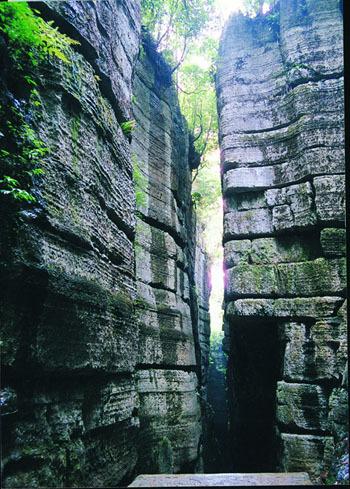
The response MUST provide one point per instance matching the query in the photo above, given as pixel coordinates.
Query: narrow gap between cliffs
(233, 439)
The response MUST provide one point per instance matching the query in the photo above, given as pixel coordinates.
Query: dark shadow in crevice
(253, 371)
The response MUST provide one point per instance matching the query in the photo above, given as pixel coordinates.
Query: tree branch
(166, 33)
(195, 175)
(189, 93)
(182, 57)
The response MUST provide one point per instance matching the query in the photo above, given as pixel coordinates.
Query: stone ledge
(302, 307)
(301, 279)
(204, 480)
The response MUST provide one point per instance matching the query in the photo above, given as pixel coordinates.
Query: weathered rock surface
(172, 317)
(222, 480)
(270, 250)
(170, 420)
(112, 52)
(280, 101)
(309, 452)
(202, 289)
(308, 278)
(68, 327)
(301, 407)
(333, 242)
(284, 308)
(104, 341)
(316, 352)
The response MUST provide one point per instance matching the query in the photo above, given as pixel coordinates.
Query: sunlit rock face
(280, 101)
(101, 331)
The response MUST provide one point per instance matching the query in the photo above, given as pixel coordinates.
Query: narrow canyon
(107, 366)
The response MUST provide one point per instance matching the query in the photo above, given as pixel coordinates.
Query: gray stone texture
(171, 272)
(202, 291)
(310, 453)
(281, 130)
(112, 52)
(169, 408)
(315, 353)
(222, 480)
(333, 242)
(309, 278)
(301, 407)
(69, 331)
(284, 308)
(104, 341)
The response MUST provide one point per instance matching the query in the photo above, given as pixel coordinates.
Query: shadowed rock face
(102, 336)
(280, 100)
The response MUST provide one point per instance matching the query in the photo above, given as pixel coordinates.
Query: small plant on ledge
(127, 127)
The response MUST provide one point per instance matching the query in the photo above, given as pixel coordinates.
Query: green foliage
(197, 198)
(30, 41)
(127, 127)
(207, 189)
(140, 182)
(30, 38)
(178, 27)
(10, 187)
(207, 197)
(217, 356)
(21, 154)
(197, 94)
(216, 338)
(174, 22)
(252, 8)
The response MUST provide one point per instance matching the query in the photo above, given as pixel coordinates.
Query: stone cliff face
(101, 354)
(280, 100)
(171, 348)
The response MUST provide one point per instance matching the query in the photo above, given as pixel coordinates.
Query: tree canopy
(180, 29)
(175, 22)
(187, 33)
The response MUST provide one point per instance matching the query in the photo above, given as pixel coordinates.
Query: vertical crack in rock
(280, 102)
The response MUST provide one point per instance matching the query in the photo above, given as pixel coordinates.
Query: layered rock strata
(100, 340)
(280, 101)
(172, 315)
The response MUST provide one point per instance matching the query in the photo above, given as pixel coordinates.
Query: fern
(30, 41)
(30, 37)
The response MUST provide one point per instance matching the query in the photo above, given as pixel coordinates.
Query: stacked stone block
(280, 101)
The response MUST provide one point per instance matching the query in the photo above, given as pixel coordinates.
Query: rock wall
(99, 335)
(280, 101)
(202, 289)
(171, 355)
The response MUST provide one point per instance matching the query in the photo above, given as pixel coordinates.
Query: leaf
(23, 195)
(128, 126)
(9, 181)
(36, 172)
